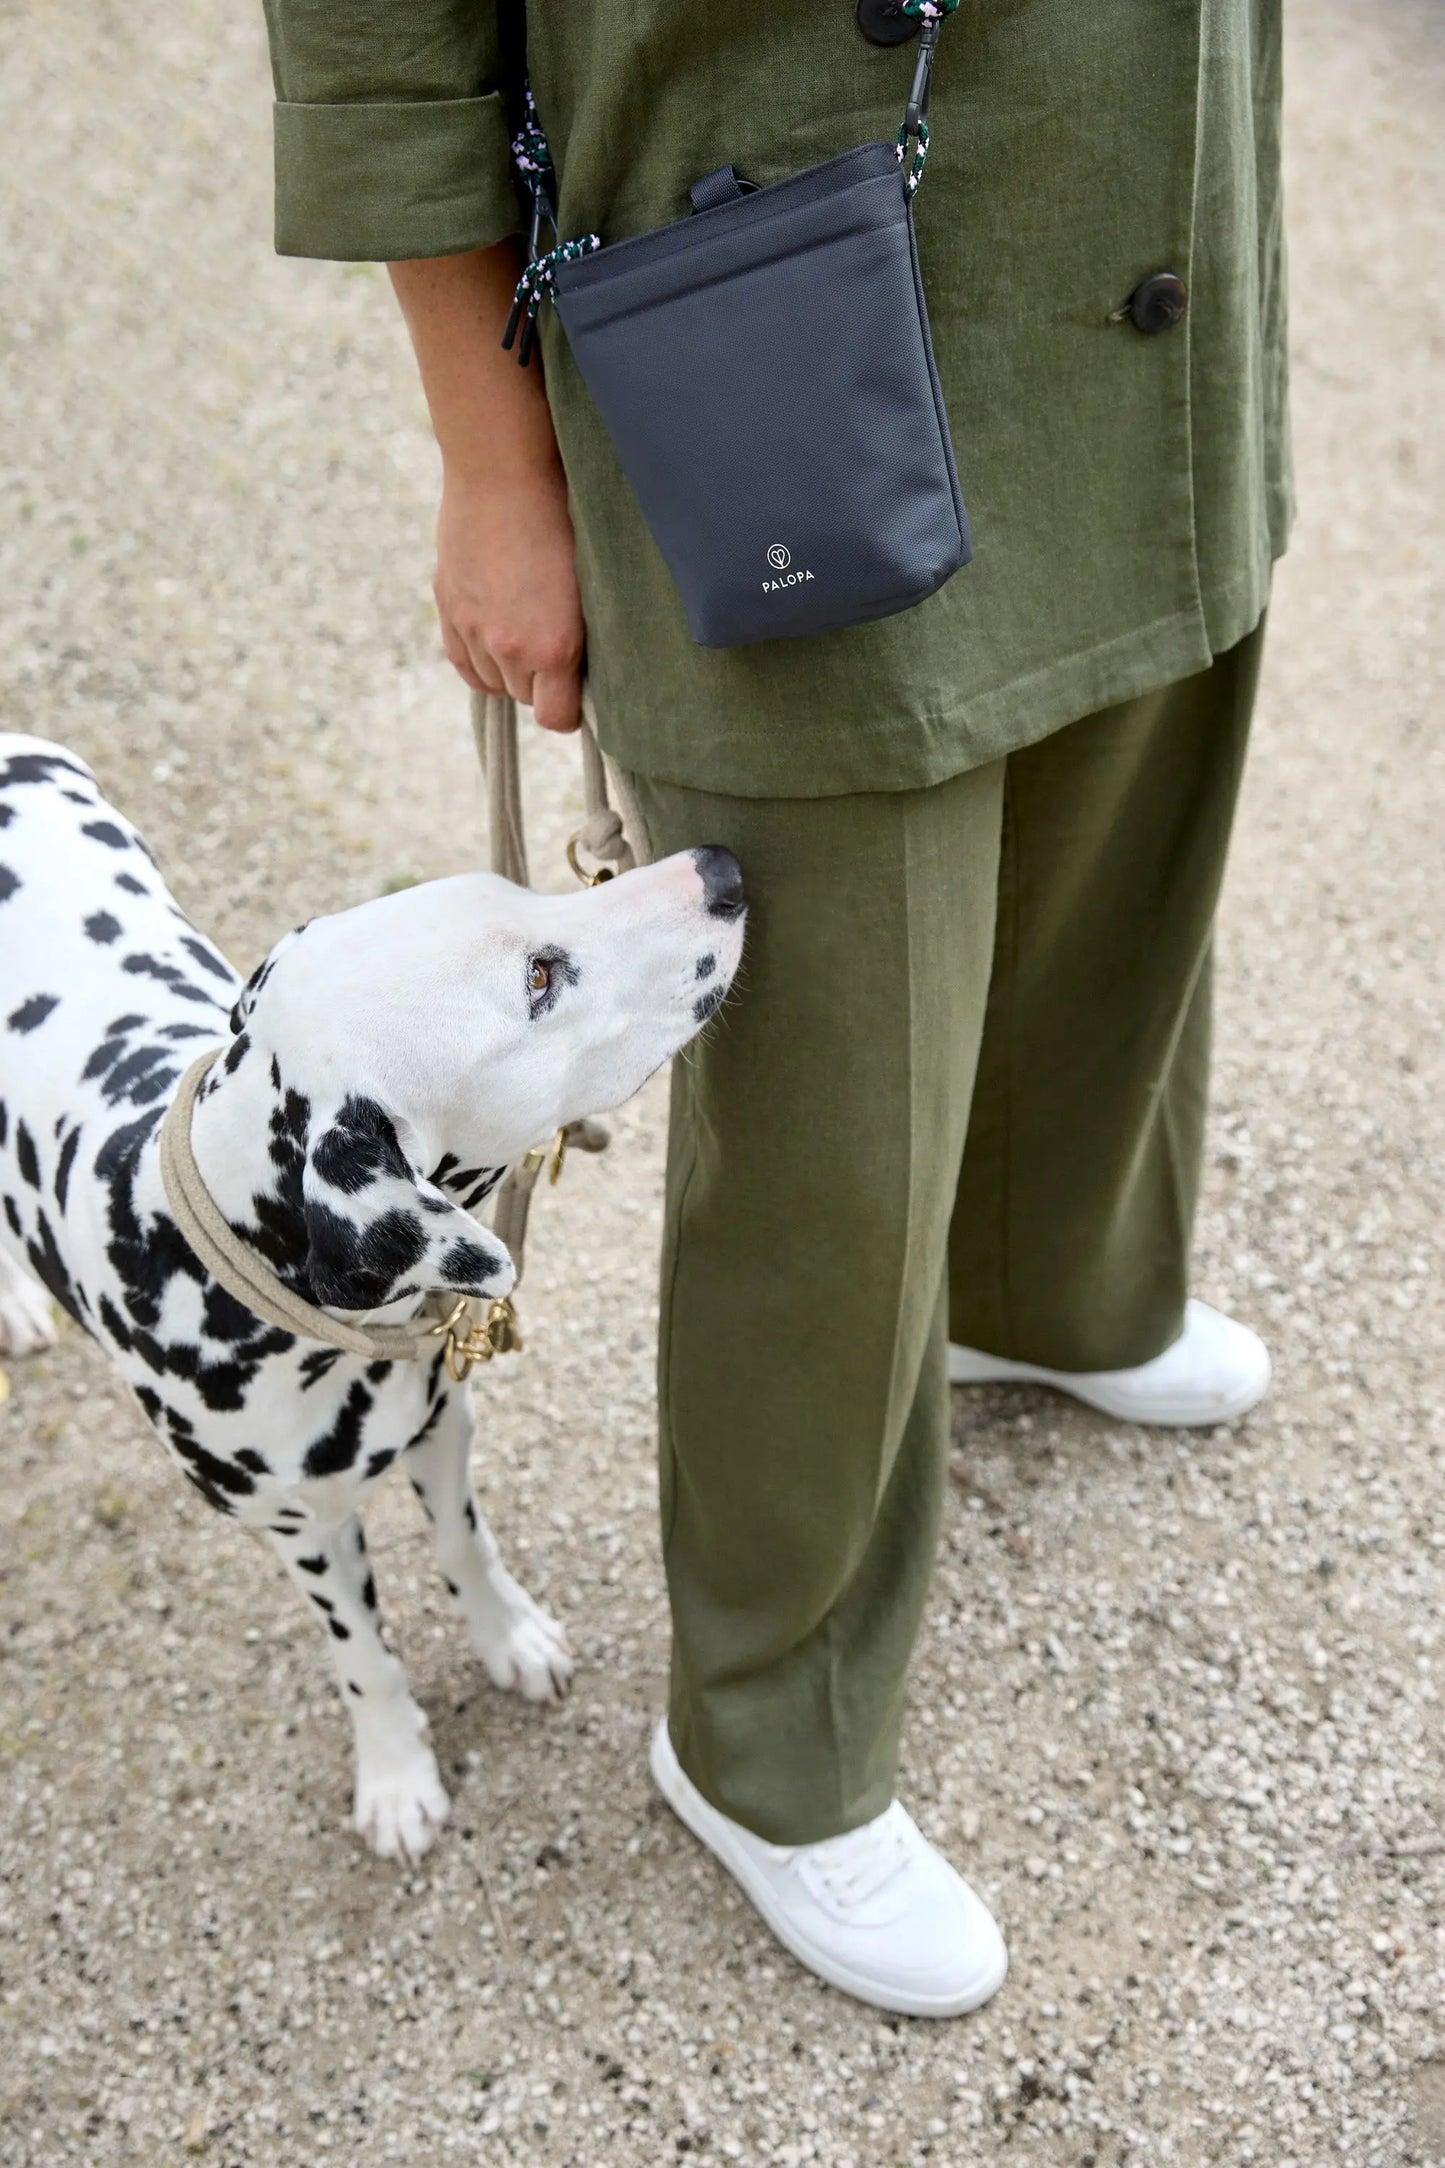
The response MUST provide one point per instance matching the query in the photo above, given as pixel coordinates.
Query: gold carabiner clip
(588, 880)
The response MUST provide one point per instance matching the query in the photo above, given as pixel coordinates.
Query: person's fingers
(461, 661)
(557, 697)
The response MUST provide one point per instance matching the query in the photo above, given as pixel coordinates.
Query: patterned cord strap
(530, 154)
(540, 276)
(913, 170)
(930, 15)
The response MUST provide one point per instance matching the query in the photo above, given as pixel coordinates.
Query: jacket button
(1158, 302)
(883, 22)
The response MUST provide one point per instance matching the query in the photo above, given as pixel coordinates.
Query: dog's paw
(401, 1809)
(525, 1651)
(27, 1322)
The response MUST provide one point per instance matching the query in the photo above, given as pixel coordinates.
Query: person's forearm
(490, 417)
(506, 586)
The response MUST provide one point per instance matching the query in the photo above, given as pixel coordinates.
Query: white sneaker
(877, 1912)
(1216, 1370)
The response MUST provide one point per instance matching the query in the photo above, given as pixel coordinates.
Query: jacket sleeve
(390, 134)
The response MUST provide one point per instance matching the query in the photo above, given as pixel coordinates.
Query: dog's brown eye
(539, 978)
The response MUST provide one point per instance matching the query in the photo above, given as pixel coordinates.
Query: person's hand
(506, 590)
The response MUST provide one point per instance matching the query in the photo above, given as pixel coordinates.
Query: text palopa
(794, 579)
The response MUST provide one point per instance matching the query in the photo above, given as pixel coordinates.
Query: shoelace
(855, 1866)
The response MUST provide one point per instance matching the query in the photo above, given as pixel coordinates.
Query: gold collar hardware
(588, 880)
(553, 1156)
(470, 1340)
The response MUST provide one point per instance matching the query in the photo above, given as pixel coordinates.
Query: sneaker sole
(967, 1368)
(710, 1829)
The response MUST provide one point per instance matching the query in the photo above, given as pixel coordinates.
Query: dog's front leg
(400, 1802)
(520, 1645)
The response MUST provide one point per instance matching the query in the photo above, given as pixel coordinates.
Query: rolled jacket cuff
(375, 183)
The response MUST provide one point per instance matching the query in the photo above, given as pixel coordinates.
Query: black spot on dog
(708, 1004)
(379, 1462)
(207, 958)
(12, 1214)
(353, 1688)
(140, 1078)
(322, 1603)
(40, 768)
(368, 1593)
(131, 884)
(484, 1188)
(185, 1031)
(64, 1165)
(4, 1122)
(316, 1365)
(150, 1401)
(339, 1631)
(377, 1372)
(706, 965)
(224, 1318)
(50, 1268)
(467, 1265)
(425, 1432)
(360, 1145)
(106, 832)
(357, 1268)
(336, 1451)
(31, 1014)
(9, 882)
(103, 927)
(256, 1462)
(469, 1514)
(312, 1565)
(443, 1168)
(120, 1332)
(141, 966)
(452, 1589)
(79, 797)
(26, 1157)
(7, 815)
(236, 1053)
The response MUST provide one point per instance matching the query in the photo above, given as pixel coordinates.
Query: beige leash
(615, 836)
(468, 1334)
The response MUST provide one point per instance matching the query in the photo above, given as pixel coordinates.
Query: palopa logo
(780, 557)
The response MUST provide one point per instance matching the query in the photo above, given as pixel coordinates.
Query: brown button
(883, 22)
(1158, 302)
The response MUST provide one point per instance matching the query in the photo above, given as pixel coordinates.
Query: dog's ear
(246, 999)
(377, 1229)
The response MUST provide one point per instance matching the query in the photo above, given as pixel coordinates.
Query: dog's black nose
(722, 880)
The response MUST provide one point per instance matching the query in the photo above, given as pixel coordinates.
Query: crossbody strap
(532, 159)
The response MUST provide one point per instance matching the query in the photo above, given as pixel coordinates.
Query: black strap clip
(915, 118)
(520, 317)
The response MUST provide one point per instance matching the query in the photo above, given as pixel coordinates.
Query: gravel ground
(1177, 1707)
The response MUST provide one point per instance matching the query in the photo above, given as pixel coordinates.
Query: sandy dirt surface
(1177, 1707)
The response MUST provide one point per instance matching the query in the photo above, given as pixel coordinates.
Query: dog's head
(427, 1039)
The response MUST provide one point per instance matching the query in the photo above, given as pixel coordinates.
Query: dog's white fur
(386, 1065)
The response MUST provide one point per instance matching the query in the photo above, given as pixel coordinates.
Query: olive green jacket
(1128, 489)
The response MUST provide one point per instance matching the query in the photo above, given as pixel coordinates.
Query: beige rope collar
(467, 1336)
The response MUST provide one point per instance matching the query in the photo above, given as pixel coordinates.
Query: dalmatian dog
(383, 1067)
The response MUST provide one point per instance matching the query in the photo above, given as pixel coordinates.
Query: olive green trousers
(958, 1090)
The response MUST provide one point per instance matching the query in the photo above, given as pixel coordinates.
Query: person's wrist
(516, 473)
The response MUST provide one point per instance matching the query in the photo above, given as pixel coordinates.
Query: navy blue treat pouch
(765, 373)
